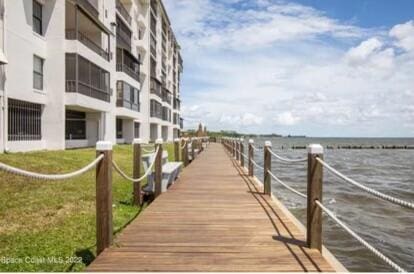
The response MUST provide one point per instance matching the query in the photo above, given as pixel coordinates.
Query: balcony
(155, 88)
(89, 6)
(72, 34)
(127, 96)
(155, 109)
(81, 27)
(127, 63)
(181, 123)
(176, 119)
(123, 35)
(176, 104)
(153, 25)
(166, 96)
(123, 11)
(154, 6)
(84, 77)
(166, 114)
(153, 45)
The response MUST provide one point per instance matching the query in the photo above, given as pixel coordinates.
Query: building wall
(21, 43)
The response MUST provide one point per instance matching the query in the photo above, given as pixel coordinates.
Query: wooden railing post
(184, 156)
(104, 197)
(314, 212)
(158, 168)
(237, 149)
(242, 152)
(193, 146)
(177, 149)
(251, 157)
(267, 181)
(136, 170)
(233, 145)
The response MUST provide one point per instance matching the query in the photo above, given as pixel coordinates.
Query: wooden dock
(214, 218)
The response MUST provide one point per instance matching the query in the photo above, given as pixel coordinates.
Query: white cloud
(238, 121)
(288, 68)
(286, 119)
(404, 33)
(360, 54)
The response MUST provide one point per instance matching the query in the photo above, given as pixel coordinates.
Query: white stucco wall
(21, 43)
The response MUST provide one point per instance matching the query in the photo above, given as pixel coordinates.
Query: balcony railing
(127, 104)
(85, 89)
(72, 34)
(128, 70)
(88, 6)
(123, 11)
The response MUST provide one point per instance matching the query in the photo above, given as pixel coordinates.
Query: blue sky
(306, 67)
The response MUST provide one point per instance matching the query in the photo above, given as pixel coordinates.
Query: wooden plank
(214, 218)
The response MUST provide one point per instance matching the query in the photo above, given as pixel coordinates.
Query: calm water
(387, 227)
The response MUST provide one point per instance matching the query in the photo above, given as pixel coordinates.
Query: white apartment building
(73, 72)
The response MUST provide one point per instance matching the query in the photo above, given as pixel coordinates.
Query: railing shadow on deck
(264, 203)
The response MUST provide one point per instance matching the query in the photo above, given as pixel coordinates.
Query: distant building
(201, 132)
(79, 71)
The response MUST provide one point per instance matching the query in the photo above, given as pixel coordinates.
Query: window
(119, 134)
(156, 109)
(37, 72)
(75, 128)
(127, 96)
(37, 17)
(25, 121)
(136, 130)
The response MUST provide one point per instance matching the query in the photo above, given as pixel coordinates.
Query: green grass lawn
(56, 219)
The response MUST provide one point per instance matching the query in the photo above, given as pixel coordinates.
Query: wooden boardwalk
(214, 218)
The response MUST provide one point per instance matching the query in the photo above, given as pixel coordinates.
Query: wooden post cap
(159, 141)
(103, 146)
(315, 149)
(241, 140)
(137, 141)
(251, 141)
(176, 139)
(268, 143)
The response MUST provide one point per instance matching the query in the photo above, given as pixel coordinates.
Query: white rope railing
(148, 150)
(359, 239)
(257, 165)
(286, 186)
(255, 148)
(287, 160)
(367, 189)
(51, 177)
(147, 172)
(183, 146)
